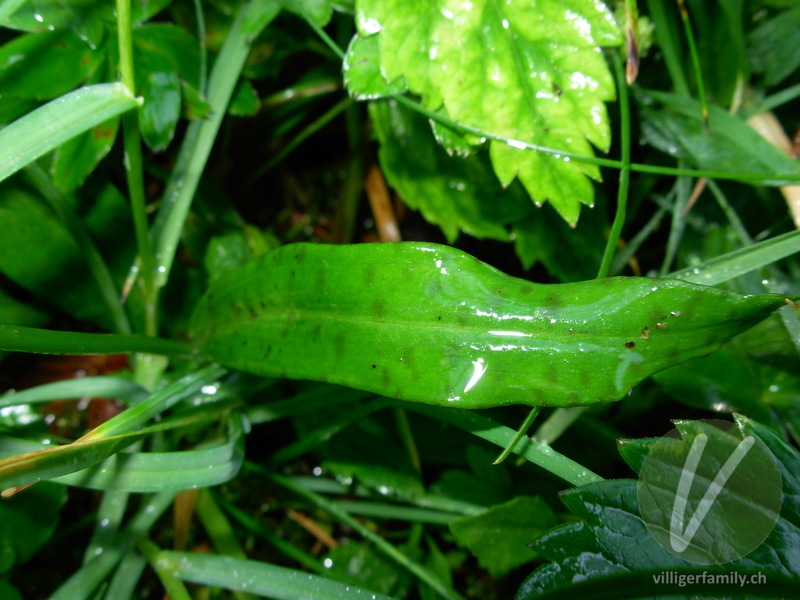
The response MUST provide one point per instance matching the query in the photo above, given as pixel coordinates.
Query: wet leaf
(611, 536)
(427, 323)
(526, 72)
(457, 194)
(499, 537)
(164, 54)
(161, 110)
(86, 18)
(41, 66)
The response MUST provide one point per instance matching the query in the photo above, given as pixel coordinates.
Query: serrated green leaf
(678, 129)
(499, 537)
(458, 194)
(612, 537)
(529, 72)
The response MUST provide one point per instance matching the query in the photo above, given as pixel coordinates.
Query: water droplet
(774, 388)
(675, 313)
(104, 523)
(371, 26)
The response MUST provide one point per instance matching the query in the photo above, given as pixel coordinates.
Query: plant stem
(134, 171)
(16, 338)
(593, 160)
(625, 171)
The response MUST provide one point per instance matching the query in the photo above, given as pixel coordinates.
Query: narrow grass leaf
(48, 463)
(49, 126)
(258, 578)
(726, 267)
(135, 472)
(102, 386)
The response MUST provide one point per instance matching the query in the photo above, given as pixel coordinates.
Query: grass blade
(45, 341)
(102, 386)
(49, 126)
(257, 578)
(739, 262)
(200, 136)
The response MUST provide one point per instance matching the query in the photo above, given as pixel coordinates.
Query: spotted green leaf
(528, 71)
(427, 323)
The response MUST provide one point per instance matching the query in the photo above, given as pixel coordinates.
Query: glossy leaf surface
(427, 323)
(514, 68)
(611, 536)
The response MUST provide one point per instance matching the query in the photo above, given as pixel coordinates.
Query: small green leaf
(427, 323)
(164, 54)
(499, 537)
(245, 101)
(58, 121)
(41, 66)
(161, 109)
(528, 72)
